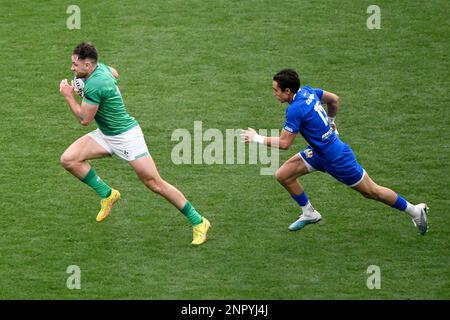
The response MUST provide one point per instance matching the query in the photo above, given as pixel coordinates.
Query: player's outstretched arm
(284, 141)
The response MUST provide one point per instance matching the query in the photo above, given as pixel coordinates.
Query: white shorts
(129, 145)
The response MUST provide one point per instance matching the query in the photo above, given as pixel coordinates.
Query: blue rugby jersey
(306, 115)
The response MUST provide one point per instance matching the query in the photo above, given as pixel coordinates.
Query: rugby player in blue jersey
(326, 152)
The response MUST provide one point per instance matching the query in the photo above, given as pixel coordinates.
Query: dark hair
(288, 78)
(86, 50)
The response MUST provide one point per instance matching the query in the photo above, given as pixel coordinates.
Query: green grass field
(213, 61)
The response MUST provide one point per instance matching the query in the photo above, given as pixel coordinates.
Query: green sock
(94, 181)
(191, 214)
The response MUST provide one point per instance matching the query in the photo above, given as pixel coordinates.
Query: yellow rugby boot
(107, 205)
(200, 231)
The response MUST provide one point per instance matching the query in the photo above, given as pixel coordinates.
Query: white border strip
(308, 166)
(355, 184)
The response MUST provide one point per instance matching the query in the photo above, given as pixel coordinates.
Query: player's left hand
(65, 88)
(247, 135)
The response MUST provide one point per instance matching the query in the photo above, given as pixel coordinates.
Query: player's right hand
(247, 135)
(65, 88)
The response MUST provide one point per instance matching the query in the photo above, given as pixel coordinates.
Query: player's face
(79, 67)
(282, 96)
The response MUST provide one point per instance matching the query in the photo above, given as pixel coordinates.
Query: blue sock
(302, 199)
(400, 203)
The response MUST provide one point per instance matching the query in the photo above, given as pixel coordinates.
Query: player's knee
(281, 177)
(66, 161)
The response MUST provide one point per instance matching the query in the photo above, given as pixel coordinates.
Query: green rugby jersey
(101, 90)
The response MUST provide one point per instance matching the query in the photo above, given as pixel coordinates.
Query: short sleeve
(319, 92)
(292, 122)
(92, 94)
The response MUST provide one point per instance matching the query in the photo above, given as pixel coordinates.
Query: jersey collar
(299, 89)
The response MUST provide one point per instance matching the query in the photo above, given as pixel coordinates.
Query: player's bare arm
(332, 102)
(114, 72)
(85, 112)
(284, 141)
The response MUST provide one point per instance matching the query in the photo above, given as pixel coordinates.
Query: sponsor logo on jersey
(327, 134)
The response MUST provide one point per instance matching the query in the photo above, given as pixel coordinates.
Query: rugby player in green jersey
(117, 133)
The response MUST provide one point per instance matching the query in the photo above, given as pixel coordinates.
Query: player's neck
(291, 97)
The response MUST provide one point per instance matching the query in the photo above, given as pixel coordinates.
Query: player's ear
(87, 63)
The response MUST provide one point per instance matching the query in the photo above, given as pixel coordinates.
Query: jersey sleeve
(292, 122)
(319, 92)
(92, 94)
